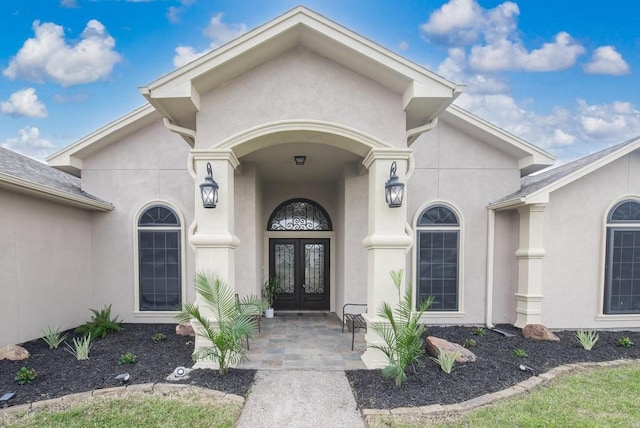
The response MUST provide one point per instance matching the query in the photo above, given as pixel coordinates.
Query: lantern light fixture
(209, 189)
(393, 188)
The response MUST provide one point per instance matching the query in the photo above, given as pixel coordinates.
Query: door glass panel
(284, 255)
(314, 268)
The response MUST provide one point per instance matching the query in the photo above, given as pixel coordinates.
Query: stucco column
(387, 242)
(212, 232)
(530, 254)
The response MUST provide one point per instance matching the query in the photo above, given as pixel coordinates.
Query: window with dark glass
(299, 215)
(438, 241)
(159, 258)
(622, 271)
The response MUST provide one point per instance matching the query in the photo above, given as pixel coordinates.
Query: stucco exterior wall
(355, 225)
(45, 266)
(505, 267)
(454, 168)
(147, 166)
(300, 84)
(248, 218)
(574, 241)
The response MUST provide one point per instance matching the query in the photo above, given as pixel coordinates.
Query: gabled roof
(25, 175)
(536, 188)
(530, 158)
(177, 95)
(69, 159)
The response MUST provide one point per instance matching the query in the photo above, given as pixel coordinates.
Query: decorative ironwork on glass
(284, 255)
(314, 268)
(627, 211)
(299, 214)
(438, 215)
(158, 216)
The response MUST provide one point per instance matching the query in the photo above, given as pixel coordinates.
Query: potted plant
(270, 292)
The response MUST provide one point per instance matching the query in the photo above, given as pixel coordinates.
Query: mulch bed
(497, 368)
(59, 373)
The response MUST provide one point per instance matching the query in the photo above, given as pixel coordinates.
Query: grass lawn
(133, 409)
(598, 397)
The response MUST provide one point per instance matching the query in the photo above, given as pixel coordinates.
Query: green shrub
(624, 341)
(159, 337)
(520, 353)
(80, 348)
(478, 331)
(587, 338)
(100, 324)
(25, 375)
(446, 360)
(52, 337)
(128, 358)
(232, 325)
(469, 343)
(401, 333)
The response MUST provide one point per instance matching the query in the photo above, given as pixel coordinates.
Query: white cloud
(24, 102)
(174, 12)
(48, 57)
(29, 143)
(493, 39)
(455, 22)
(219, 33)
(403, 45)
(186, 54)
(606, 60)
(70, 4)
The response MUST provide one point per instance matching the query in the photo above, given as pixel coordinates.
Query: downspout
(413, 134)
(491, 224)
(186, 133)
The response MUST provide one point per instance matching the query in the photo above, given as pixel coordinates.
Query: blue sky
(561, 74)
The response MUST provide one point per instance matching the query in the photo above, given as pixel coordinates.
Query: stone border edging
(142, 387)
(524, 386)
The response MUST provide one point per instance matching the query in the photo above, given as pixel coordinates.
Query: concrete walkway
(300, 398)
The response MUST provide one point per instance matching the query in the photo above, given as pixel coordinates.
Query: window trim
(431, 315)
(136, 257)
(607, 225)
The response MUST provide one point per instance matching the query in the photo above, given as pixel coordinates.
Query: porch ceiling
(323, 163)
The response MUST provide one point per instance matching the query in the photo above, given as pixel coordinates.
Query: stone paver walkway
(309, 341)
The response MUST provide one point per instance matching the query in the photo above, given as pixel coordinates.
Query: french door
(301, 267)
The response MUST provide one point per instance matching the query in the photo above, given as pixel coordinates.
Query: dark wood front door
(301, 267)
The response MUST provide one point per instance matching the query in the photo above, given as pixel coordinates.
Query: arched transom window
(299, 215)
(438, 243)
(159, 260)
(622, 271)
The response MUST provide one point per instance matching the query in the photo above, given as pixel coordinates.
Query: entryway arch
(299, 238)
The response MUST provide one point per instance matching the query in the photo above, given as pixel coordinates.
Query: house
(304, 127)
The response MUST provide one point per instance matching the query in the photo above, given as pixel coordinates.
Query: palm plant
(401, 332)
(230, 322)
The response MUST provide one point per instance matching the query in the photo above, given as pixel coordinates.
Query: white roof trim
(24, 186)
(70, 157)
(542, 195)
(530, 157)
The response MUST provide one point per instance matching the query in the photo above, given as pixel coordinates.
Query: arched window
(622, 271)
(438, 244)
(299, 214)
(159, 260)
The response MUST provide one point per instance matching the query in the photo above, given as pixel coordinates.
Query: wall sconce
(300, 160)
(209, 189)
(394, 189)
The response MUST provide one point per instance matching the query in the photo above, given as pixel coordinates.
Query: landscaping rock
(435, 345)
(538, 332)
(13, 353)
(185, 329)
